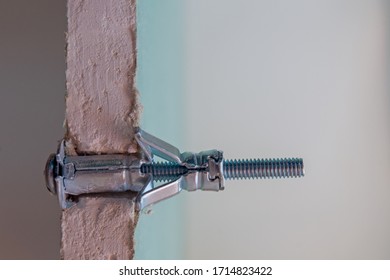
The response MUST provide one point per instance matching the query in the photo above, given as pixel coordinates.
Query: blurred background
(253, 78)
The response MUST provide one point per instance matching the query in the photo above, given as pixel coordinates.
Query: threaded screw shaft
(163, 171)
(234, 169)
(263, 168)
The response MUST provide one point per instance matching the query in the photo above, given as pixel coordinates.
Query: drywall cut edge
(102, 109)
(99, 227)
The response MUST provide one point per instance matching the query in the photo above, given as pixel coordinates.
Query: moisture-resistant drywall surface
(291, 78)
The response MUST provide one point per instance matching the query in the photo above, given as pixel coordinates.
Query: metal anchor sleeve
(70, 176)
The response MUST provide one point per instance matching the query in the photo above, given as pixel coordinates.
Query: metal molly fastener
(70, 176)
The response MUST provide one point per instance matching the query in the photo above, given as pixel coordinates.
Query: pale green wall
(160, 82)
(271, 79)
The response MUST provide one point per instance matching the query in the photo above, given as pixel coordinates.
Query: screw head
(50, 173)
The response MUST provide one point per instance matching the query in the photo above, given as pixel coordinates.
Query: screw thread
(233, 169)
(163, 171)
(263, 168)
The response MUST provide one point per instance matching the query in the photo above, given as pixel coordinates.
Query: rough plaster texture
(99, 227)
(101, 110)
(102, 105)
